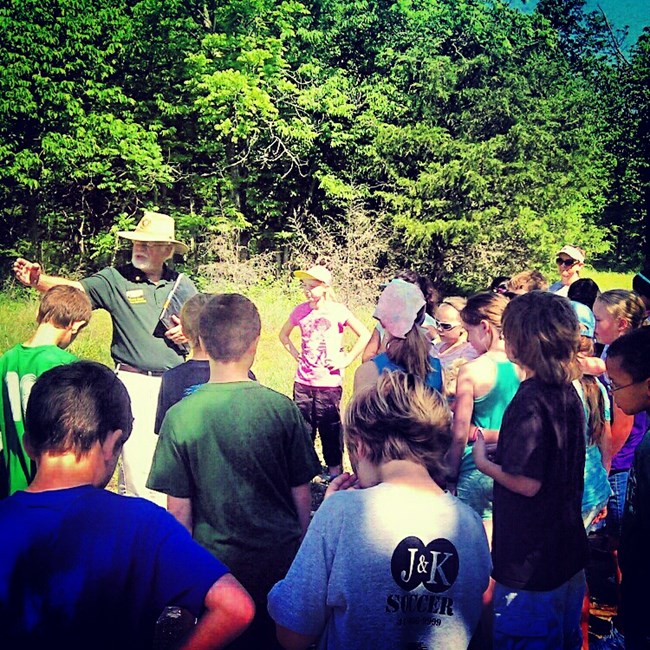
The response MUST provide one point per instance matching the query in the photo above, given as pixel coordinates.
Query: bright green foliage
(71, 152)
(478, 134)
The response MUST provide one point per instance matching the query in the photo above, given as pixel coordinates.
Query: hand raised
(26, 272)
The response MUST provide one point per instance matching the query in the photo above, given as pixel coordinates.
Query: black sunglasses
(566, 262)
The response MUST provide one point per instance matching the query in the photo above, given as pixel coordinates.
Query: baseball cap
(585, 318)
(398, 307)
(318, 272)
(573, 252)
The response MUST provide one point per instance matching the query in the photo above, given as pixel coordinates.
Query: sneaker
(613, 641)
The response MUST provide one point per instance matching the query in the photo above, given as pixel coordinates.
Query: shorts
(539, 620)
(476, 490)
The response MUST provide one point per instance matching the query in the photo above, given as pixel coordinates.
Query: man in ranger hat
(134, 296)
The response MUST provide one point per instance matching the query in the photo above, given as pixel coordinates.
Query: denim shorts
(476, 490)
(539, 620)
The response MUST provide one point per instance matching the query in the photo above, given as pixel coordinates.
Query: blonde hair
(528, 281)
(542, 333)
(621, 303)
(456, 302)
(400, 418)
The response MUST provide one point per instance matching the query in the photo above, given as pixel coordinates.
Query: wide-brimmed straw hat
(155, 227)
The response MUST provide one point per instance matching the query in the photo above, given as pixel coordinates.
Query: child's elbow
(530, 487)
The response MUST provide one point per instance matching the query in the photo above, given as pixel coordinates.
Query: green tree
(72, 156)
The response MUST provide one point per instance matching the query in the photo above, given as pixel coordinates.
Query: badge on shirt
(136, 296)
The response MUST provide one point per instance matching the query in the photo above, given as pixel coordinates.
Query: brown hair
(412, 352)
(487, 306)
(228, 325)
(621, 303)
(190, 314)
(593, 394)
(542, 333)
(528, 281)
(63, 305)
(400, 418)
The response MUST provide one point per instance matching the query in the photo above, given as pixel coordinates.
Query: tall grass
(273, 365)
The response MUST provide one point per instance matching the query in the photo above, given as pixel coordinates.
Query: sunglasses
(565, 262)
(444, 326)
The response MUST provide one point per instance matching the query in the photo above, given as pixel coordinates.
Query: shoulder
(299, 312)
(342, 310)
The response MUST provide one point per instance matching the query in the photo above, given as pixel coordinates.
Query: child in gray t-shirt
(399, 563)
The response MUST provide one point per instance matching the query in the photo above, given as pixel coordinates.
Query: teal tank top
(489, 408)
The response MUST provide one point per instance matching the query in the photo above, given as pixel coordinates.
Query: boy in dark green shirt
(235, 459)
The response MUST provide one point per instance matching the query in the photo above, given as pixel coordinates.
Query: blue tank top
(433, 379)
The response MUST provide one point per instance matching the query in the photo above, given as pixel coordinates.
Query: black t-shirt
(539, 542)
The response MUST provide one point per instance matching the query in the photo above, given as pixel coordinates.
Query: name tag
(136, 296)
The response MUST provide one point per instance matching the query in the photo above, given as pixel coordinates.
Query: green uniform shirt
(19, 368)
(135, 303)
(236, 450)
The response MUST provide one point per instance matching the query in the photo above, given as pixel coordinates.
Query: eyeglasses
(565, 261)
(444, 326)
(150, 244)
(615, 387)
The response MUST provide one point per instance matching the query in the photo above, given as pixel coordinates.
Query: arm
(605, 446)
(229, 610)
(286, 330)
(462, 419)
(366, 375)
(31, 275)
(527, 487)
(591, 365)
(291, 640)
(181, 509)
(372, 348)
(301, 496)
(621, 428)
(363, 335)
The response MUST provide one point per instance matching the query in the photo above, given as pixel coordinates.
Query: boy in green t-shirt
(235, 459)
(62, 313)
(628, 368)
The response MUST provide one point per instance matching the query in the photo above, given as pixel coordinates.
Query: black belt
(127, 368)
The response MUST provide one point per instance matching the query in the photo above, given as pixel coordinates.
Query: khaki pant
(138, 451)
